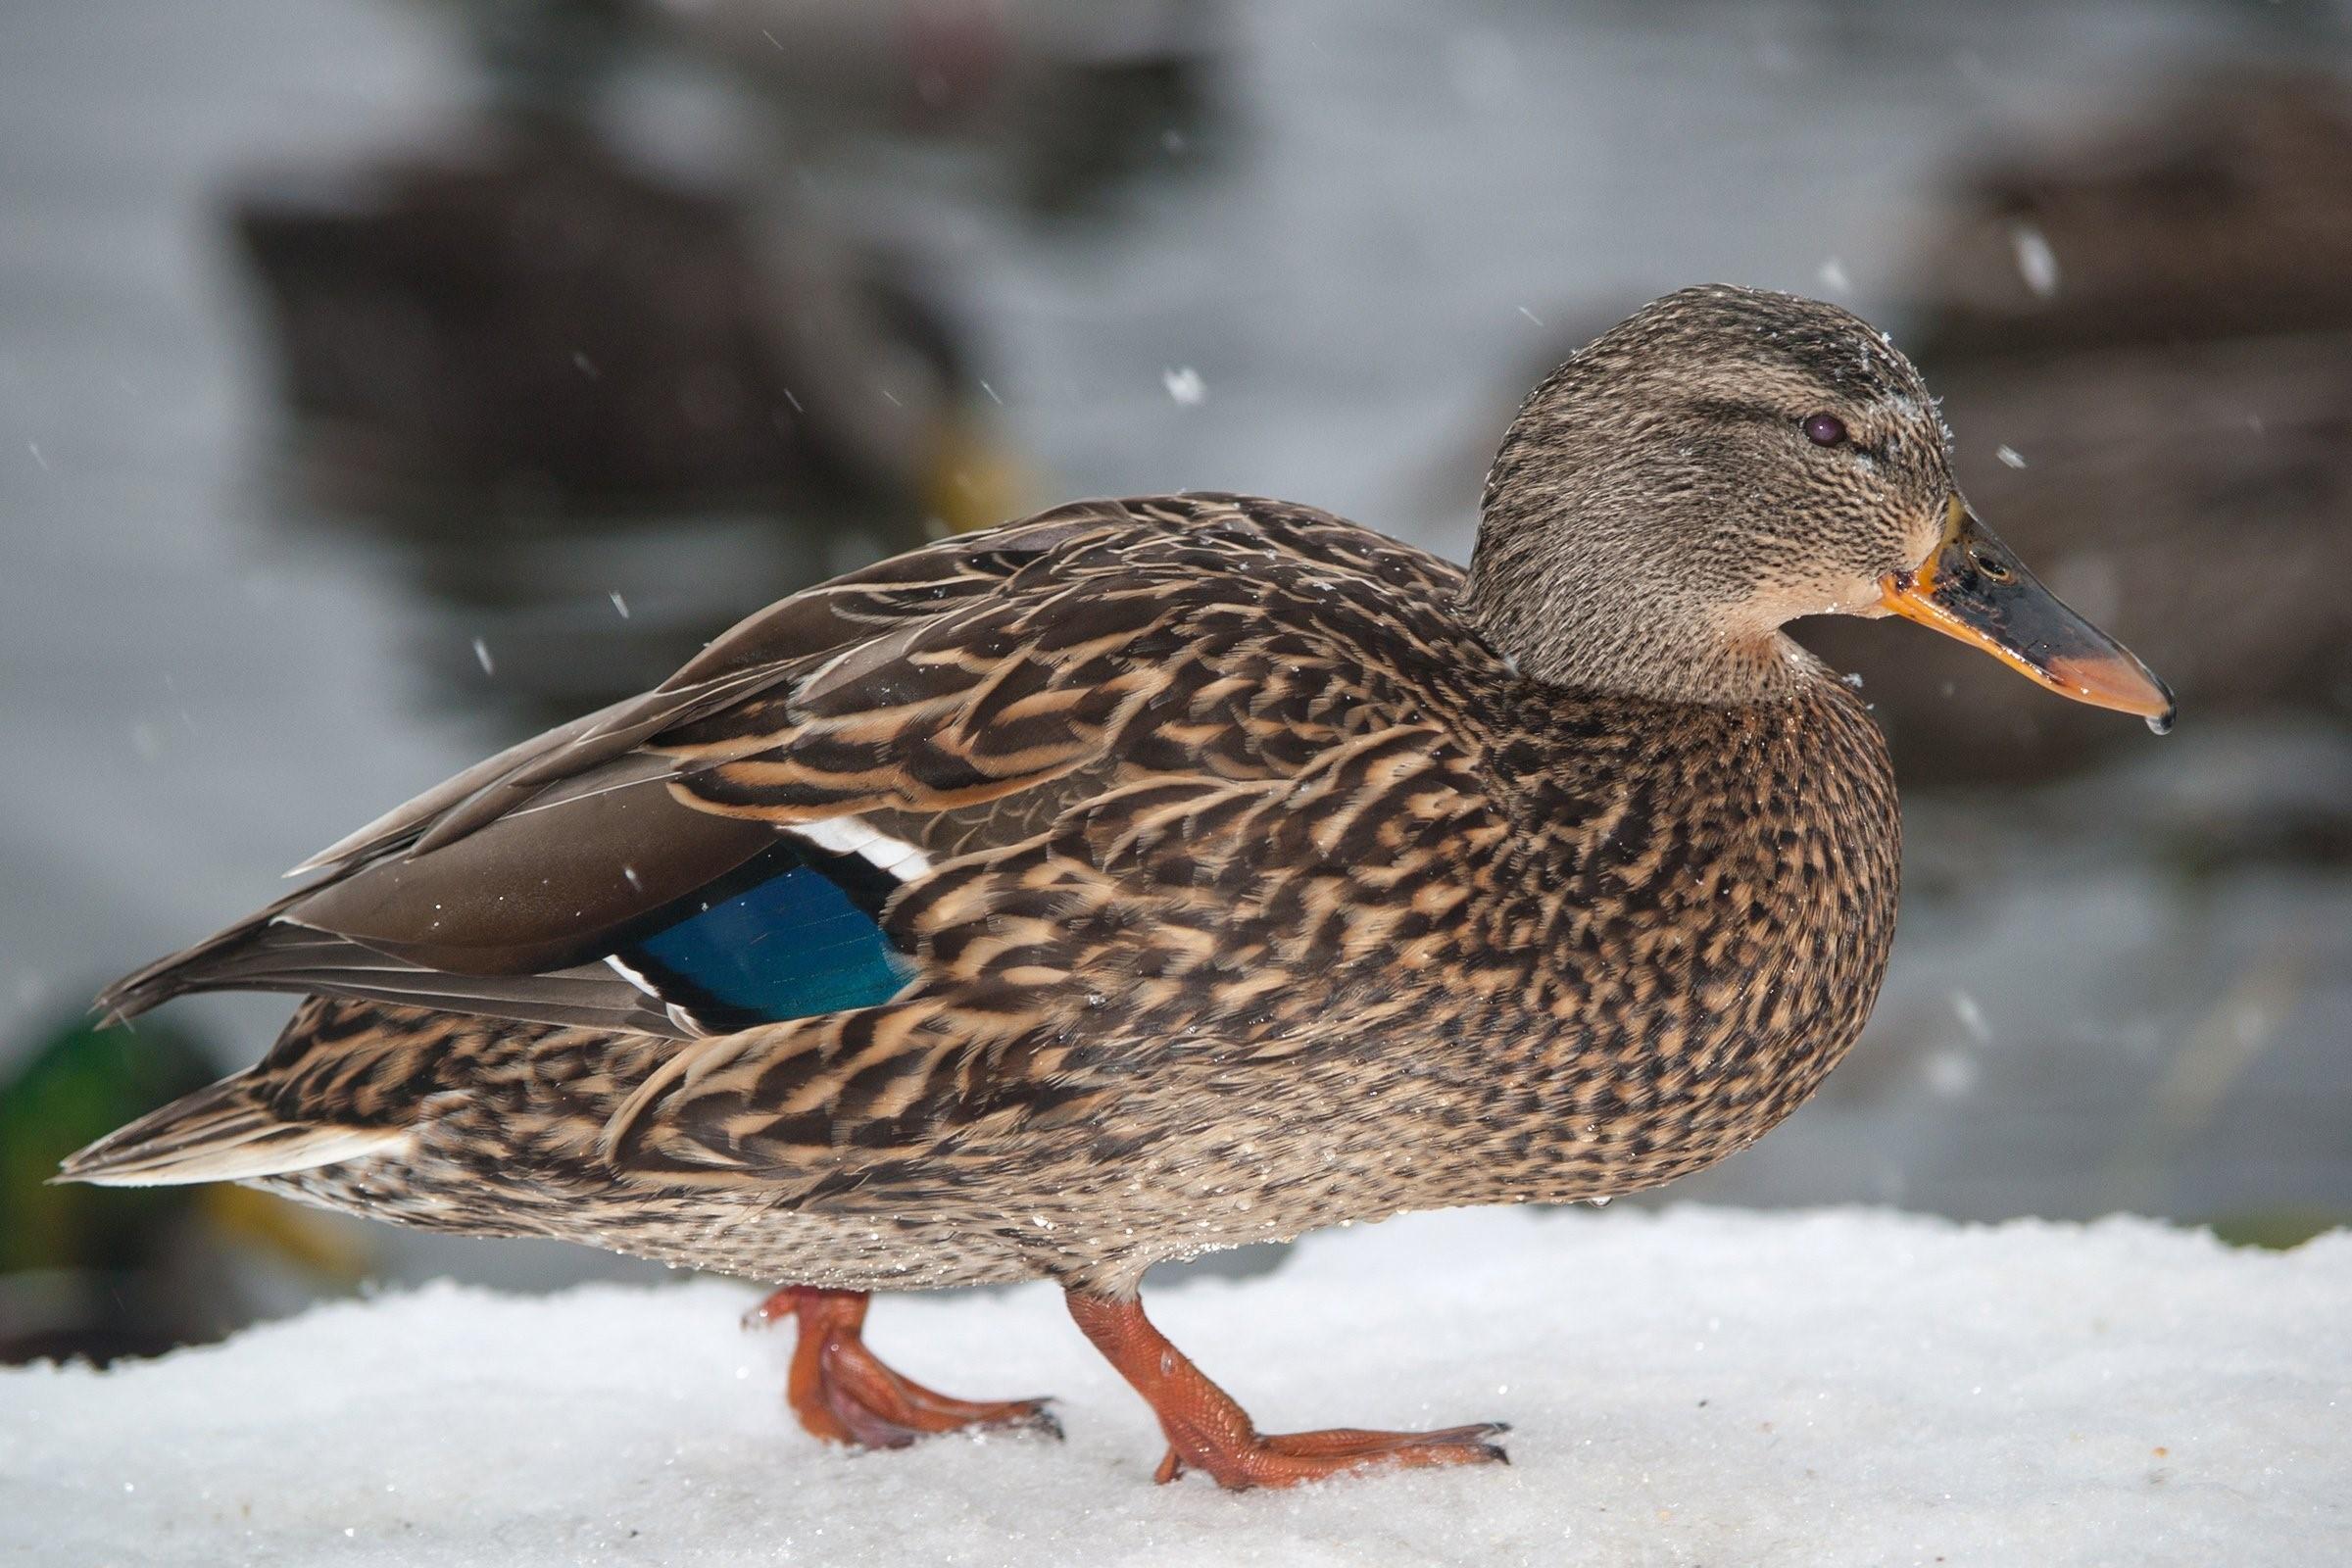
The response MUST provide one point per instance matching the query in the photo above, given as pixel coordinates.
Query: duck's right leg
(1207, 1430)
(843, 1393)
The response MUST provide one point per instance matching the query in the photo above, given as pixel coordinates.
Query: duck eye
(1824, 429)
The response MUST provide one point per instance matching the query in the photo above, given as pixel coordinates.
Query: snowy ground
(1696, 1388)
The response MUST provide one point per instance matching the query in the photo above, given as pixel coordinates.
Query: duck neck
(1595, 625)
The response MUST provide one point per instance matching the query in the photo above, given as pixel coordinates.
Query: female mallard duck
(1157, 875)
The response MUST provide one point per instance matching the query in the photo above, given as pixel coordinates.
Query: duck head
(1724, 460)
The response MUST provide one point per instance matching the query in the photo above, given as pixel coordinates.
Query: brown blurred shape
(533, 310)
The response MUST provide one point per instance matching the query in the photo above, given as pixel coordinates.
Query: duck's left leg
(1208, 1431)
(843, 1393)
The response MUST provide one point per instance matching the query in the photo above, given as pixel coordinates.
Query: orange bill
(1973, 588)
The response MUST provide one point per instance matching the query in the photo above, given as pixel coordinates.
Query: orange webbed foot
(843, 1393)
(1287, 1459)
(1207, 1431)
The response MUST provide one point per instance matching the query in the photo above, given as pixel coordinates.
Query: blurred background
(382, 380)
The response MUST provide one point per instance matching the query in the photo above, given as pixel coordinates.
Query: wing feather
(955, 700)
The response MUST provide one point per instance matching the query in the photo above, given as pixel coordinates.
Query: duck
(1155, 875)
(525, 329)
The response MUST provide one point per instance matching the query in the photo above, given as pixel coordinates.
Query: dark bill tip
(1973, 588)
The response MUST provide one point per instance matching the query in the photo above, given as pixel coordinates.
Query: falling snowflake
(2037, 263)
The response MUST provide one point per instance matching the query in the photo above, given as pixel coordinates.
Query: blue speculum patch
(793, 945)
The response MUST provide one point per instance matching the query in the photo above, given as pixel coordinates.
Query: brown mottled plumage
(1254, 872)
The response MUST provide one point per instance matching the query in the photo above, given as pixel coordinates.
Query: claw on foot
(843, 1393)
(1208, 1431)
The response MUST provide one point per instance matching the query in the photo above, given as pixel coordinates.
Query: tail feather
(167, 977)
(227, 1132)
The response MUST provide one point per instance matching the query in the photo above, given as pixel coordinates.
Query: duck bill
(1972, 587)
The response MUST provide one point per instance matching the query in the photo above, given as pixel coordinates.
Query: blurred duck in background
(95, 1282)
(534, 324)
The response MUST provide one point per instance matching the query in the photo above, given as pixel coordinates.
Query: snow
(2037, 263)
(1185, 385)
(1695, 1385)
